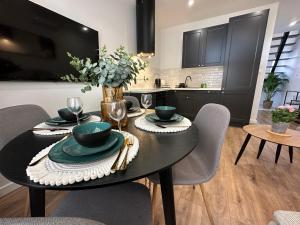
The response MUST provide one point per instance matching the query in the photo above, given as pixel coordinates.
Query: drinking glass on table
(117, 111)
(75, 106)
(146, 100)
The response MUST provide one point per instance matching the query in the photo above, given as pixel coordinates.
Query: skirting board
(9, 187)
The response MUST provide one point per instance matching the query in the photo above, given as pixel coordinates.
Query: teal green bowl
(165, 112)
(92, 134)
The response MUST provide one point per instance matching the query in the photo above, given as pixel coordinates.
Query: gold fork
(124, 164)
(115, 165)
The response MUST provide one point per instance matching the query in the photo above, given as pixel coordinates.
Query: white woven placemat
(135, 114)
(143, 124)
(58, 132)
(47, 172)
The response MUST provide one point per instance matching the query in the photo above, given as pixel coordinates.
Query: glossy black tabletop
(156, 152)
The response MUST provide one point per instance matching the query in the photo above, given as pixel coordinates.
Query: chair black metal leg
(167, 192)
(37, 202)
(278, 152)
(242, 148)
(261, 147)
(291, 153)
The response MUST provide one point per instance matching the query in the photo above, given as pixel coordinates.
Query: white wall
(294, 84)
(115, 22)
(171, 44)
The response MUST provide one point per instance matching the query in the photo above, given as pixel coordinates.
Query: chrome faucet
(185, 82)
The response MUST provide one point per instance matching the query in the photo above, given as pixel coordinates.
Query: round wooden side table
(290, 139)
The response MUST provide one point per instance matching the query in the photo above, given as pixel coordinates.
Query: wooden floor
(245, 194)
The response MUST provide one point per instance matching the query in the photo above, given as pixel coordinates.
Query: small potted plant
(273, 83)
(282, 117)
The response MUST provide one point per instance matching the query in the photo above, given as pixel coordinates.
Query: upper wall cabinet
(205, 47)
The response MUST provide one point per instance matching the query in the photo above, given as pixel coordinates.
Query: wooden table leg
(167, 192)
(261, 147)
(243, 148)
(37, 202)
(278, 152)
(291, 153)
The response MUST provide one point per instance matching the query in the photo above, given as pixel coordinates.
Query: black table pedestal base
(37, 202)
(167, 192)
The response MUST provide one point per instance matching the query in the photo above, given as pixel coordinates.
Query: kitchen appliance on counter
(157, 83)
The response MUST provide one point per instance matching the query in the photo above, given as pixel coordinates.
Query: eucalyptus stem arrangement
(114, 70)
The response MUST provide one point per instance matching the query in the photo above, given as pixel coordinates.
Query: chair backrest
(17, 119)
(134, 100)
(212, 122)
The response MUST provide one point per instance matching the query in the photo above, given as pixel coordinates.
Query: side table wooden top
(261, 131)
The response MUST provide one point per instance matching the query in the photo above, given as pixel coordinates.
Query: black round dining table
(158, 152)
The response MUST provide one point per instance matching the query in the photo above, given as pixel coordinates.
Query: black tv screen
(34, 42)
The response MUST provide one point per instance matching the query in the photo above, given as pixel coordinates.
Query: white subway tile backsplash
(212, 76)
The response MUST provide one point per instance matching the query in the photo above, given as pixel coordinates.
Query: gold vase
(111, 94)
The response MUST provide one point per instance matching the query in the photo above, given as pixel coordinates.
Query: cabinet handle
(187, 97)
(222, 92)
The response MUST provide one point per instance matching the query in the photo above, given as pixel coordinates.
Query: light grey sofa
(281, 217)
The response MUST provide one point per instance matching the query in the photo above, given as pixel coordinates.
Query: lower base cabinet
(188, 103)
(239, 105)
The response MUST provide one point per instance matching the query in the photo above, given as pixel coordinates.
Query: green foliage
(113, 70)
(285, 115)
(274, 83)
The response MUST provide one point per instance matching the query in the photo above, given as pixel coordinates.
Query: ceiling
(175, 12)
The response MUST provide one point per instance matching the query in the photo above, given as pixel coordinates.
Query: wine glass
(75, 106)
(146, 100)
(117, 111)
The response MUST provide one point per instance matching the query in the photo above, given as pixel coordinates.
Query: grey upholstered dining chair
(16, 120)
(201, 165)
(128, 203)
(48, 221)
(134, 100)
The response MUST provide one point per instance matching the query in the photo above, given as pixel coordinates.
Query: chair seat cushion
(122, 204)
(191, 170)
(48, 221)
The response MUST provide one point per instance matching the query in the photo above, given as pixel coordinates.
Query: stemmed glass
(75, 106)
(146, 100)
(117, 111)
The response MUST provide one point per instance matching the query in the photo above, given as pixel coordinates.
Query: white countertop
(152, 90)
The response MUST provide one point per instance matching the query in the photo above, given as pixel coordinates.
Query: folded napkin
(58, 132)
(173, 127)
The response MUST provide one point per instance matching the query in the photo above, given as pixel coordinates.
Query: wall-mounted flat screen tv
(34, 42)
